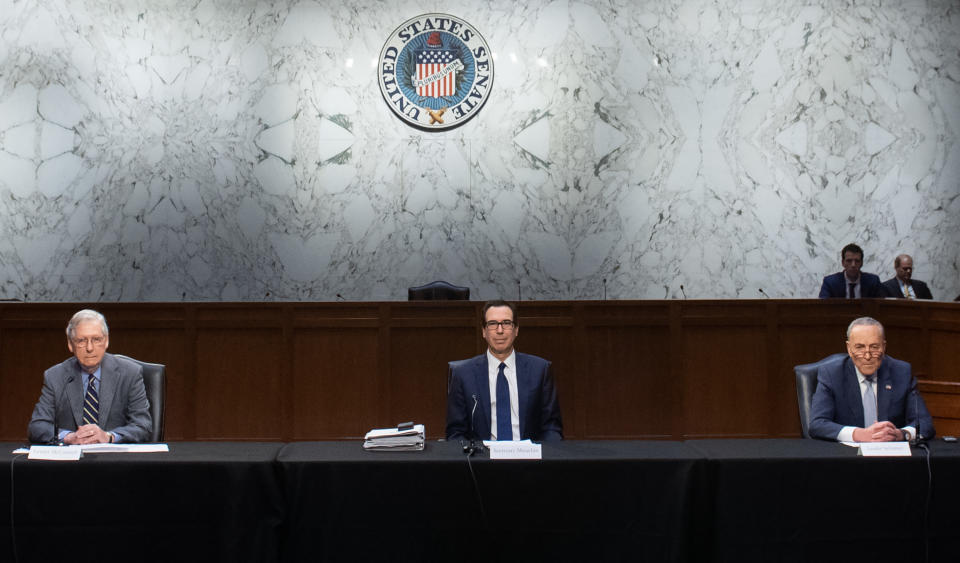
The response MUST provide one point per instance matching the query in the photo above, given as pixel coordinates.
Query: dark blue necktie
(504, 428)
(91, 404)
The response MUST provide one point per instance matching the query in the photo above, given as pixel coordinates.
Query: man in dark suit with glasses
(868, 397)
(502, 394)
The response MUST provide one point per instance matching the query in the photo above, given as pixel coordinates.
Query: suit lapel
(481, 382)
(883, 394)
(109, 375)
(851, 386)
(522, 392)
(75, 392)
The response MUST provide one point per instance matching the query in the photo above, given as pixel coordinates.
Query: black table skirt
(696, 501)
(198, 502)
(810, 500)
(585, 501)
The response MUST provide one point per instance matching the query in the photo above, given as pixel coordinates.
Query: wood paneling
(943, 401)
(334, 382)
(628, 379)
(722, 366)
(624, 369)
(238, 391)
(417, 373)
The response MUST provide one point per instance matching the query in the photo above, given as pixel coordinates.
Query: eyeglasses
(507, 324)
(96, 341)
(875, 350)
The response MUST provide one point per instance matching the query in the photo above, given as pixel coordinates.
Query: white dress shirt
(846, 433)
(907, 290)
(510, 372)
(856, 287)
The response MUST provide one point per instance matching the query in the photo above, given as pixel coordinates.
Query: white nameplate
(514, 450)
(55, 453)
(885, 449)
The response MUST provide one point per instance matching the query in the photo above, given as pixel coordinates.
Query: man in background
(851, 283)
(903, 285)
(93, 397)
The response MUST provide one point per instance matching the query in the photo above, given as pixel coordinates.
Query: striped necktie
(91, 403)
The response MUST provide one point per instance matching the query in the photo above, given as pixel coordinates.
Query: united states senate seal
(435, 71)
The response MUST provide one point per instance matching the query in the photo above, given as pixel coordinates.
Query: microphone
(763, 293)
(604, 289)
(341, 298)
(519, 292)
(474, 445)
(916, 439)
(682, 292)
(55, 440)
(472, 411)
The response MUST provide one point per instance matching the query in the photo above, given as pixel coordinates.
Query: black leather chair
(155, 382)
(438, 291)
(806, 376)
(450, 366)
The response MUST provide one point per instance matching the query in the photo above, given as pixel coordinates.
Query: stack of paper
(395, 440)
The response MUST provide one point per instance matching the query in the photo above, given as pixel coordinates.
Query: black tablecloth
(198, 502)
(810, 500)
(585, 501)
(696, 501)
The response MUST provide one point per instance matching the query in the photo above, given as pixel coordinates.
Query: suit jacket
(124, 409)
(837, 401)
(469, 384)
(835, 285)
(891, 288)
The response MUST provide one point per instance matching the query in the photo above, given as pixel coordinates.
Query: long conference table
(698, 501)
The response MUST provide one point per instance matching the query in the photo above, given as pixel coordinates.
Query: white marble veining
(241, 150)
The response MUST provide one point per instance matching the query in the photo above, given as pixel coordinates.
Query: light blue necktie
(504, 428)
(869, 405)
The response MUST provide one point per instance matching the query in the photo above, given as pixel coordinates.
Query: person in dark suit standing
(903, 285)
(93, 397)
(868, 397)
(502, 394)
(851, 283)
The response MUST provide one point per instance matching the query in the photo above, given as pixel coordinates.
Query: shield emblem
(434, 79)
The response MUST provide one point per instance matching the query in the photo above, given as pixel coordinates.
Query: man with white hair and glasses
(93, 397)
(868, 397)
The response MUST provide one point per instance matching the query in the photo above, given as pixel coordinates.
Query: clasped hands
(87, 434)
(883, 431)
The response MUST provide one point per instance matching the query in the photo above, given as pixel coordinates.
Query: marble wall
(241, 150)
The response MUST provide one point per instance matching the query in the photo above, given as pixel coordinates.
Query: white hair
(86, 315)
(865, 321)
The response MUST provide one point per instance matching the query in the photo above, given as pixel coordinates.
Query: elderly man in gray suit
(93, 397)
